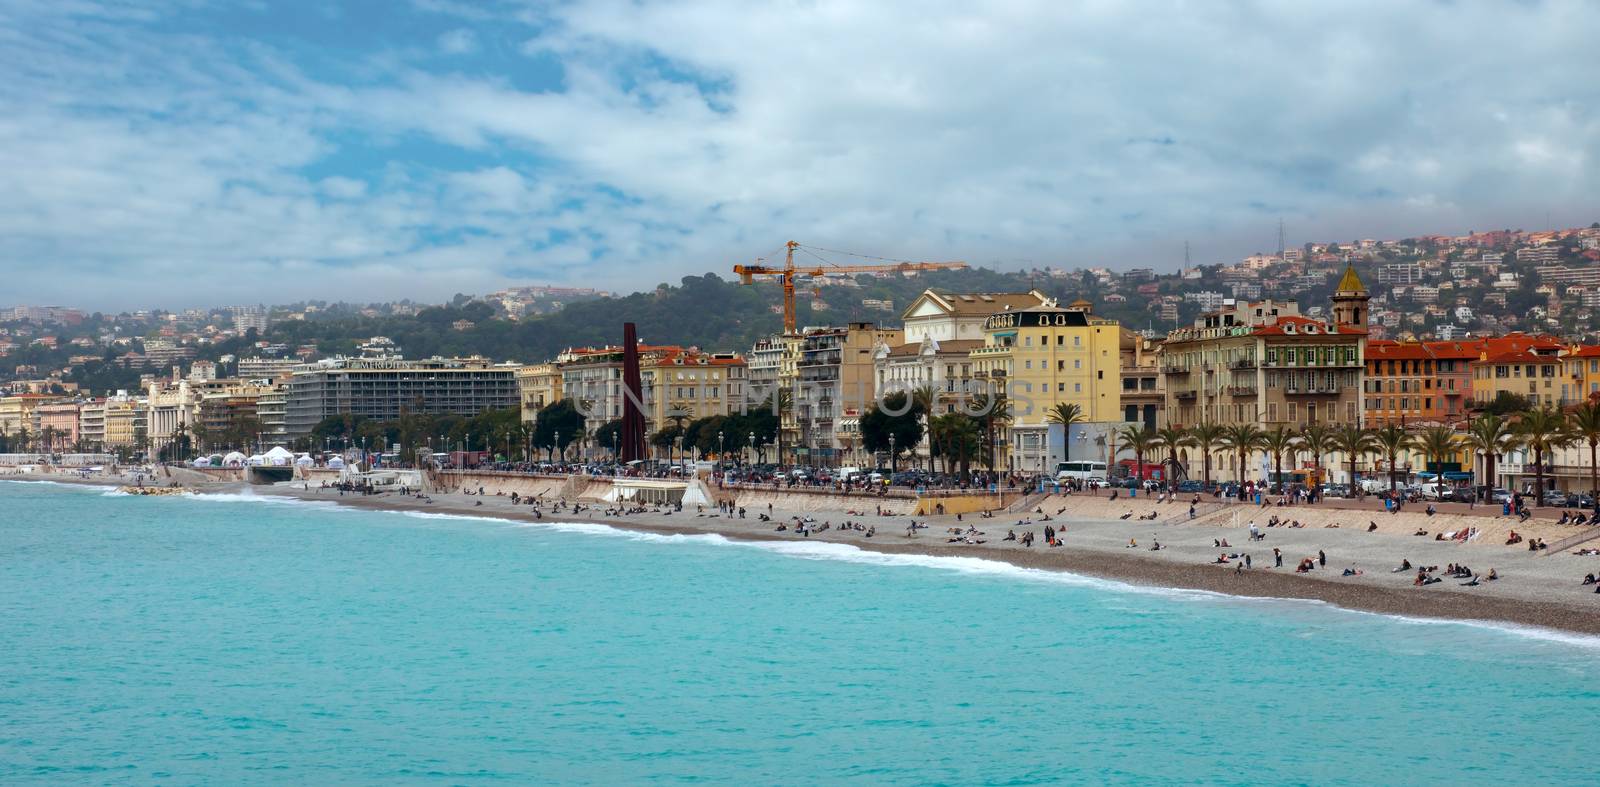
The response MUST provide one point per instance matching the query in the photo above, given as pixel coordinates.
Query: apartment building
(383, 388)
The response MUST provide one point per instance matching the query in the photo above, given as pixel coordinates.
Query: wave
(976, 566)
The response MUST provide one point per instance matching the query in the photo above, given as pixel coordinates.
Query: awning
(1456, 475)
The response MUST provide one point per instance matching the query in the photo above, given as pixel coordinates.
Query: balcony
(1174, 369)
(1319, 390)
(1240, 390)
(1186, 394)
(1243, 363)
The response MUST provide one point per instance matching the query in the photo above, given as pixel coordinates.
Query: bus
(1080, 471)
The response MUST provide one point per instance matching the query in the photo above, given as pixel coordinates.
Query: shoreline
(1087, 552)
(1132, 569)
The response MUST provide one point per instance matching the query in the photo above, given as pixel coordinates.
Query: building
(16, 413)
(1047, 355)
(247, 318)
(60, 421)
(764, 363)
(257, 368)
(682, 385)
(383, 389)
(833, 383)
(1527, 366)
(1263, 363)
(945, 316)
(1406, 384)
(1142, 399)
(538, 386)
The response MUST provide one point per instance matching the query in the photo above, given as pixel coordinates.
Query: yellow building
(1047, 355)
(16, 413)
(1532, 372)
(686, 384)
(1583, 373)
(538, 386)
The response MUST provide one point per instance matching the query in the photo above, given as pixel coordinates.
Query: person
(1322, 559)
(1277, 558)
(1588, 579)
(1493, 575)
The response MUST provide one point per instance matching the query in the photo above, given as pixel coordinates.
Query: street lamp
(556, 446)
(754, 454)
(722, 449)
(891, 454)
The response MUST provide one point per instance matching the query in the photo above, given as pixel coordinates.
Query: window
(1060, 340)
(1077, 363)
(1077, 341)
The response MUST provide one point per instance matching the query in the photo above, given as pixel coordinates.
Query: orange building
(1435, 382)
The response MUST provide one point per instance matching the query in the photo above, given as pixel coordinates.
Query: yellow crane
(789, 272)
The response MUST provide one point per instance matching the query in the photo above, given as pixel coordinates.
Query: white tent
(256, 461)
(335, 462)
(304, 460)
(279, 456)
(234, 459)
(204, 461)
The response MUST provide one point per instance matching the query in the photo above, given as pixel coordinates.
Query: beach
(1534, 589)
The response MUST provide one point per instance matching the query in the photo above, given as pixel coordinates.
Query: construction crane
(789, 272)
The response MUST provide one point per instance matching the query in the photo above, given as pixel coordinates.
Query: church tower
(1350, 300)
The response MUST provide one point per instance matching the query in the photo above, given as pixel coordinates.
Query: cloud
(646, 140)
(458, 42)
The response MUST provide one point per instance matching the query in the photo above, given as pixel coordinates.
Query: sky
(176, 153)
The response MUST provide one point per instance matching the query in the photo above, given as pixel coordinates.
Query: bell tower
(1350, 300)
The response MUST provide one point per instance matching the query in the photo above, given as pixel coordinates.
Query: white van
(847, 473)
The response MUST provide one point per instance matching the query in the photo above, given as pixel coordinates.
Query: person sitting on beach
(1128, 515)
(1493, 575)
(1306, 564)
(1134, 544)
(1011, 535)
(1027, 539)
(1405, 565)
(1352, 572)
(1221, 558)
(1514, 538)
(1155, 546)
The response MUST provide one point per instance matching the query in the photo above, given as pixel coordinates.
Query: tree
(926, 400)
(1316, 440)
(1542, 431)
(1173, 438)
(1393, 440)
(1438, 444)
(956, 438)
(1507, 403)
(1354, 442)
(893, 426)
(1207, 438)
(559, 419)
(993, 412)
(1241, 440)
(1281, 440)
(609, 435)
(1586, 427)
(1491, 436)
(1140, 440)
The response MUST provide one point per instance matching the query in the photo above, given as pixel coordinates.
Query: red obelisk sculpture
(632, 438)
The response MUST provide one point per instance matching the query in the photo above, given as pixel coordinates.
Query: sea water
(239, 640)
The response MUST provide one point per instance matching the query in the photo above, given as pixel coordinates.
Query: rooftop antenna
(1281, 248)
(1185, 254)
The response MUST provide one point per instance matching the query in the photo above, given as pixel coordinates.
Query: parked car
(1500, 495)
(1191, 486)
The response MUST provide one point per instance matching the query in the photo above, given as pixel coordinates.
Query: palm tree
(1491, 436)
(1245, 439)
(1207, 438)
(1586, 427)
(1354, 442)
(1392, 440)
(1438, 444)
(1316, 440)
(993, 412)
(955, 436)
(1542, 431)
(1173, 438)
(1281, 440)
(924, 398)
(1140, 440)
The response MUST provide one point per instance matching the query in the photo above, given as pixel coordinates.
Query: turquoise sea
(236, 640)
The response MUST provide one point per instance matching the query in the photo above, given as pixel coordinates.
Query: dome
(234, 459)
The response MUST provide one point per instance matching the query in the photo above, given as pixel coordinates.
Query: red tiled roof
(1382, 350)
(1517, 356)
(1277, 328)
(1585, 351)
(1463, 350)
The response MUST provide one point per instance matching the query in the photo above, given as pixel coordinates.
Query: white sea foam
(974, 566)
